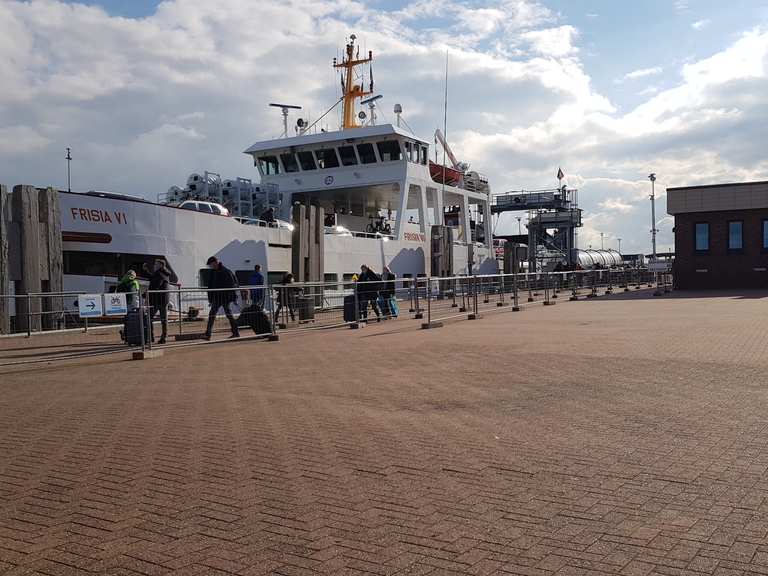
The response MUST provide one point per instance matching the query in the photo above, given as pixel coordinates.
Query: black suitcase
(256, 318)
(132, 328)
(349, 308)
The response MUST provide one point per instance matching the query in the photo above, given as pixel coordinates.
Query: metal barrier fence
(198, 312)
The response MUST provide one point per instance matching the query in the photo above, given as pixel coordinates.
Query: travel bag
(132, 328)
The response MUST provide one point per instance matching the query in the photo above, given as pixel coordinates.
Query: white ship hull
(105, 236)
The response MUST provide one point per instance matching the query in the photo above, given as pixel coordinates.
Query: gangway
(553, 217)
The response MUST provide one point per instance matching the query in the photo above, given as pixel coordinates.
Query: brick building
(721, 235)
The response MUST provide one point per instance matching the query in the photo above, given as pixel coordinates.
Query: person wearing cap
(221, 278)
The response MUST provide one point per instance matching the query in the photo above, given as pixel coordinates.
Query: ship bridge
(369, 172)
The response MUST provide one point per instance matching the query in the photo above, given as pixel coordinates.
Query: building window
(306, 160)
(366, 153)
(702, 236)
(735, 236)
(347, 154)
(389, 150)
(327, 158)
(765, 234)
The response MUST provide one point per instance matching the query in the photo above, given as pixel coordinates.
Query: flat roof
(717, 197)
(728, 184)
(338, 135)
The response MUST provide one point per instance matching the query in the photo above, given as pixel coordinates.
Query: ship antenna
(445, 114)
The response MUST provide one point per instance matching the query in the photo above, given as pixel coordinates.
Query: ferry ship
(385, 203)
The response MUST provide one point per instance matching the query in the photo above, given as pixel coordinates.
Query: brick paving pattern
(615, 436)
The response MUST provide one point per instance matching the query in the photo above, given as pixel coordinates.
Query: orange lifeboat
(452, 176)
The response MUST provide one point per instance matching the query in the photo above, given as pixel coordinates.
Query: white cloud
(145, 102)
(641, 73)
(557, 42)
(700, 24)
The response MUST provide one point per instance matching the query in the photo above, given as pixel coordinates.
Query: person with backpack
(368, 292)
(221, 278)
(130, 286)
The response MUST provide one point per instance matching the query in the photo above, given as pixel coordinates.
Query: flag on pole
(560, 174)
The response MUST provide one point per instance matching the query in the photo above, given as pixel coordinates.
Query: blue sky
(610, 90)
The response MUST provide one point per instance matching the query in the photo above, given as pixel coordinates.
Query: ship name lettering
(96, 215)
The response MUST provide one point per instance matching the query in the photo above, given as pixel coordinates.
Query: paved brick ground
(622, 436)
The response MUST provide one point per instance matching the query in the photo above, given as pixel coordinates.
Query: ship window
(326, 158)
(389, 150)
(269, 165)
(347, 154)
(306, 160)
(424, 156)
(204, 207)
(408, 151)
(289, 162)
(367, 154)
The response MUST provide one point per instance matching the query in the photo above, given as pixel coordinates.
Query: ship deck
(622, 435)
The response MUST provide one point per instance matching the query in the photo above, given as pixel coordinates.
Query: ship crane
(460, 166)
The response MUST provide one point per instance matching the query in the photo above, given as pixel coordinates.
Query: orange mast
(350, 89)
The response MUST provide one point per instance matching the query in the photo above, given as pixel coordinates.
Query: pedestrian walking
(220, 279)
(368, 292)
(387, 293)
(286, 297)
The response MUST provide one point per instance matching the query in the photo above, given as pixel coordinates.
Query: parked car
(207, 207)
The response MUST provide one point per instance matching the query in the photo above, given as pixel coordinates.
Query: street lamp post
(619, 239)
(519, 228)
(69, 176)
(652, 178)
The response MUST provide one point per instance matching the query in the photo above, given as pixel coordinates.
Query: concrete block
(146, 354)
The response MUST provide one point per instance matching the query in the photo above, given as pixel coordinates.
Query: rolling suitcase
(256, 318)
(132, 328)
(349, 308)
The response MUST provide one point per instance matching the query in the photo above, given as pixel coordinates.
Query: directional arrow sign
(90, 305)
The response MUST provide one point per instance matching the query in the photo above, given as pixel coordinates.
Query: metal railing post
(502, 288)
(528, 283)
(574, 291)
(357, 306)
(547, 301)
(419, 312)
(515, 295)
(178, 309)
(141, 321)
(29, 316)
(429, 300)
